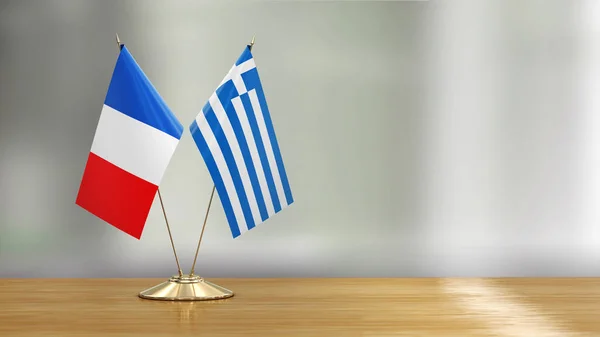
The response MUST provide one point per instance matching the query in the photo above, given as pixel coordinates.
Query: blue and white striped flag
(235, 136)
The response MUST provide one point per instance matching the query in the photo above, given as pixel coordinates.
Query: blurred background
(421, 138)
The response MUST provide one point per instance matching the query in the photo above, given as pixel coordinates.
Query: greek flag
(236, 139)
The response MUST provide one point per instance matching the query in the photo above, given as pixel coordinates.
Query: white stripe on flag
(241, 112)
(235, 72)
(223, 119)
(215, 150)
(135, 147)
(262, 126)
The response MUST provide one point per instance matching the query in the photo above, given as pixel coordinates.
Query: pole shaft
(203, 226)
(170, 236)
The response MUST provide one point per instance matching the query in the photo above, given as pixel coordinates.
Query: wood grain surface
(306, 307)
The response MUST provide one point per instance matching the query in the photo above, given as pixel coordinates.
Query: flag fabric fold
(235, 136)
(136, 136)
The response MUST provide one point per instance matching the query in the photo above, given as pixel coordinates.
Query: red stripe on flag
(115, 195)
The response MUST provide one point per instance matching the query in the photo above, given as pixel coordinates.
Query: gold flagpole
(169, 230)
(203, 226)
(119, 44)
(209, 203)
(188, 287)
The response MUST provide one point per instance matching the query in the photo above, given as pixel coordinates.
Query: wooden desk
(306, 307)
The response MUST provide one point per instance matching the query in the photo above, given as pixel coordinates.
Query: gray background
(421, 138)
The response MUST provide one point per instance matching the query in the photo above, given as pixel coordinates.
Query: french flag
(135, 139)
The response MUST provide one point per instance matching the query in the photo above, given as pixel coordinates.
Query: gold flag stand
(186, 287)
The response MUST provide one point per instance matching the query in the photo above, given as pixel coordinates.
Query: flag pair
(137, 135)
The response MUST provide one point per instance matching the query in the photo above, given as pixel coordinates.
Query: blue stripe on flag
(216, 176)
(252, 80)
(246, 55)
(213, 122)
(131, 93)
(261, 152)
(227, 93)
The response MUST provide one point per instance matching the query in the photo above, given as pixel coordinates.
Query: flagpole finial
(118, 40)
(252, 42)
